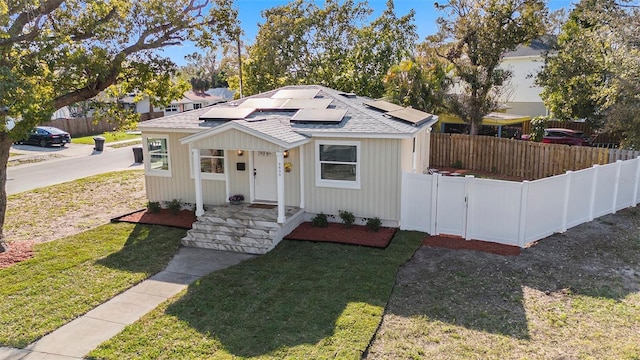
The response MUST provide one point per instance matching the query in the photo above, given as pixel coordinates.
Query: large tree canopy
(473, 37)
(422, 83)
(303, 43)
(58, 52)
(593, 72)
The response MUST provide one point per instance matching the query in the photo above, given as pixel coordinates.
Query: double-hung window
(171, 108)
(157, 162)
(212, 164)
(338, 164)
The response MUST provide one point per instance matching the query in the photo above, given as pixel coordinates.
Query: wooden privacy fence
(78, 127)
(523, 159)
(84, 126)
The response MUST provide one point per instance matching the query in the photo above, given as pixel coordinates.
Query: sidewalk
(77, 338)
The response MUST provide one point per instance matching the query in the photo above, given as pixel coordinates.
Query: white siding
(379, 194)
(235, 139)
(181, 186)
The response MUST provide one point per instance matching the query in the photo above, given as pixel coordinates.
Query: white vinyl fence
(516, 213)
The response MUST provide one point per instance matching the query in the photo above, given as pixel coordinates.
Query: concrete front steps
(241, 228)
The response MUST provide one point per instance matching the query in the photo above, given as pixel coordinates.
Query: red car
(566, 137)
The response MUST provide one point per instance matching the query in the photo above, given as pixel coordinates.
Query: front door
(264, 176)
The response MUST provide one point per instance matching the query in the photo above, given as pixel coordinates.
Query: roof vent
(349, 95)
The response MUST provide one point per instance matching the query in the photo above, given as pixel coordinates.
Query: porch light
(286, 153)
(240, 152)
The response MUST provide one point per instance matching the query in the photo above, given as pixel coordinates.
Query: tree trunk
(5, 147)
(474, 128)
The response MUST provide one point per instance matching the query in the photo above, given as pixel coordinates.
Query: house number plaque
(264, 153)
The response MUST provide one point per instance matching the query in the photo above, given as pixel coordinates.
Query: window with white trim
(197, 106)
(212, 163)
(171, 108)
(157, 162)
(338, 164)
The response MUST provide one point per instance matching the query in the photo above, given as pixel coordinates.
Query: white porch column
(301, 152)
(195, 157)
(280, 185)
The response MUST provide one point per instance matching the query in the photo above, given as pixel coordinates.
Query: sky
(249, 16)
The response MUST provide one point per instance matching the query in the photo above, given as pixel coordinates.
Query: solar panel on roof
(263, 103)
(295, 104)
(226, 113)
(319, 115)
(410, 115)
(383, 105)
(296, 94)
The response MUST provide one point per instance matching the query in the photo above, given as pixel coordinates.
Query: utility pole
(239, 63)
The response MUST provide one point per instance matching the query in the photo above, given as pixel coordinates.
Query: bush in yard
(374, 224)
(154, 207)
(320, 220)
(174, 206)
(347, 217)
(458, 164)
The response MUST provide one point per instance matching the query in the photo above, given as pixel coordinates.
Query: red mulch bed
(455, 242)
(183, 219)
(338, 233)
(18, 251)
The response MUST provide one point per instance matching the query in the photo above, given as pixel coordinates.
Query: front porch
(246, 228)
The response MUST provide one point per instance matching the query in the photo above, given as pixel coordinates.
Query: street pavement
(68, 163)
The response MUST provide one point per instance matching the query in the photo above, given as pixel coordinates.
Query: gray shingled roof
(360, 120)
(537, 47)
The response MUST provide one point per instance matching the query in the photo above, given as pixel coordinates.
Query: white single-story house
(292, 153)
(192, 100)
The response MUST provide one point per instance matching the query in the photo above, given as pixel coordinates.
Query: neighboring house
(523, 95)
(304, 150)
(192, 101)
(142, 106)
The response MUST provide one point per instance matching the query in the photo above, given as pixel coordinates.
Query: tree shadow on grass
(299, 293)
(148, 249)
(484, 292)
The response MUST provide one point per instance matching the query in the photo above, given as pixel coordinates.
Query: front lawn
(56, 211)
(110, 136)
(303, 300)
(70, 276)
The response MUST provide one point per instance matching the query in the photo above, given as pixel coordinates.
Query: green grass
(70, 276)
(13, 154)
(302, 300)
(110, 136)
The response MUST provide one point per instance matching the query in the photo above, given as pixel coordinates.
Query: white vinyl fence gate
(516, 213)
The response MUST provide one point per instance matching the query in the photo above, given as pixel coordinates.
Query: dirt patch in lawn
(455, 242)
(184, 219)
(480, 174)
(570, 296)
(338, 233)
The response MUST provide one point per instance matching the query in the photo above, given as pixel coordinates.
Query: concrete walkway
(77, 338)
